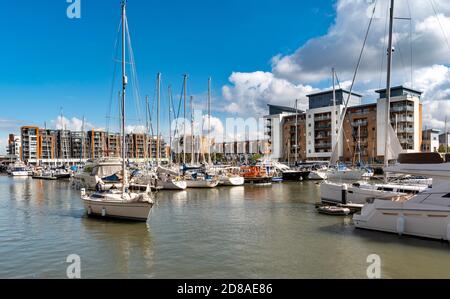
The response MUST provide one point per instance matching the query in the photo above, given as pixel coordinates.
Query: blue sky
(50, 61)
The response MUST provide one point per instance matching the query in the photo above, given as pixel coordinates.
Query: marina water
(240, 232)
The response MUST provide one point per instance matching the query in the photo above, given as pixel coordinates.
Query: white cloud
(73, 124)
(251, 92)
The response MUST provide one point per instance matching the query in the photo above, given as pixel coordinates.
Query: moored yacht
(426, 214)
(120, 203)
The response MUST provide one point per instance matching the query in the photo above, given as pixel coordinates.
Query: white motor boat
(426, 214)
(18, 170)
(361, 193)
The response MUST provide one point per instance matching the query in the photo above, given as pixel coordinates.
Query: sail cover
(393, 146)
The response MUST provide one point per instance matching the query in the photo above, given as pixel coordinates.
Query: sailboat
(362, 192)
(123, 203)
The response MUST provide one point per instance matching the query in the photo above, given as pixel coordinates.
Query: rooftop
(399, 88)
(331, 91)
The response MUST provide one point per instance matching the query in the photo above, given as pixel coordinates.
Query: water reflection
(239, 232)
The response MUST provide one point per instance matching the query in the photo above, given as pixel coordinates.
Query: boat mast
(333, 74)
(184, 116)
(446, 136)
(192, 130)
(170, 124)
(124, 87)
(388, 85)
(147, 130)
(209, 121)
(296, 132)
(158, 143)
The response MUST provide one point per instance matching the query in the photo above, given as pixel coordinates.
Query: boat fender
(344, 194)
(448, 232)
(401, 225)
(89, 211)
(83, 192)
(103, 212)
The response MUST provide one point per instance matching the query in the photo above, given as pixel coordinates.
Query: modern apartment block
(97, 144)
(48, 144)
(430, 141)
(444, 139)
(70, 147)
(14, 147)
(30, 145)
(360, 133)
(322, 122)
(364, 127)
(406, 118)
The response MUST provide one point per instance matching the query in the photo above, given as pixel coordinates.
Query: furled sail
(393, 147)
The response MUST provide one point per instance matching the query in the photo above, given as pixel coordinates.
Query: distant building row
(37, 145)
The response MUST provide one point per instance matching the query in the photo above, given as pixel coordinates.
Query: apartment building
(14, 147)
(113, 145)
(294, 138)
(64, 144)
(363, 134)
(274, 129)
(444, 139)
(79, 144)
(97, 144)
(360, 134)
(430, 141)
(322, 122)
(48, 144)
(406, 118)
(30, 144)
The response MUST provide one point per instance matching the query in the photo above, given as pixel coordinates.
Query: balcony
(322, 118)
(322, 145)
(405, 130)
(360, 123)
(322, 127)
(402, 109)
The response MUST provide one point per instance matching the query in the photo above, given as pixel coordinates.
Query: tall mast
(209, 121)
(184, 116)
(158, 144)
(170, 124)
(388, 84)
(147, 129)
(192, 130)
(296, 132)
(124, 87)
(333, 73)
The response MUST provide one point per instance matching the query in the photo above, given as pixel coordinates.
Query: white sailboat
(362, 192)
(120, 203)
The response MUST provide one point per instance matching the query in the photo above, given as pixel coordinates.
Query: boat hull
(19, 173)
(332, 193)
(138, 211)
(427, 221)
(295, 175)
(172, 185)
(231, 181)
(201, 183)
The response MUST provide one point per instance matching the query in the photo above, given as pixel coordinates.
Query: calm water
(241, 232)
